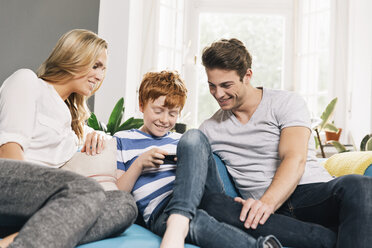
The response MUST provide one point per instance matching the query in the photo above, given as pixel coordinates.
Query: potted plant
(366, 144)
(113, 124)
(331, 135)
(324, 124)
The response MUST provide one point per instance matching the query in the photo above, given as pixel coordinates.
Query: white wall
(340, 67)
(130, 28)
(114, 28)
(360, 73)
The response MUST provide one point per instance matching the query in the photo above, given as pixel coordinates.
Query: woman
(42, 121)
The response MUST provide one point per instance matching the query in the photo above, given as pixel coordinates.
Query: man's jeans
(197, 176)
(308, 217)
(343, 204)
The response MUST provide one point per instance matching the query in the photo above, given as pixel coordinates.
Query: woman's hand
(152, 158)
(94, 143)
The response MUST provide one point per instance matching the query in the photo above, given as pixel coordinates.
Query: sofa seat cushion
(135, 236)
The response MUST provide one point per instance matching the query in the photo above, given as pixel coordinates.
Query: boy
(164, 194)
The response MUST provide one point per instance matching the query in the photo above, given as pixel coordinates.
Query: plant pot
(333, 136)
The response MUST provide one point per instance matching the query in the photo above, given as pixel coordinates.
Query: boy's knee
(194, 137)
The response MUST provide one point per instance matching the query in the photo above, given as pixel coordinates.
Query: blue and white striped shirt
(154, 185)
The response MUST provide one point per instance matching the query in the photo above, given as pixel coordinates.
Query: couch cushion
(101, 167)
(349, 163)
(225, 177)
(135, 236)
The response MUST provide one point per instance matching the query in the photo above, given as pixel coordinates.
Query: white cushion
(101, 167)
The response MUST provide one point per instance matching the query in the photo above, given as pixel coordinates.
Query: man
(263, 136)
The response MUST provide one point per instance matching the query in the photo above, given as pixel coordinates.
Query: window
(171, 22)
(314, 54)
(263, 36)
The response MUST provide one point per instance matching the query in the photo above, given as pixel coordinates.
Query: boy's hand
(152, 158)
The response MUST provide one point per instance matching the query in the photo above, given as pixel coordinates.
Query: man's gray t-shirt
(250, 151)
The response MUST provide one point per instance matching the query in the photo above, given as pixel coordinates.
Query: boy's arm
(129, 178)
(152, 158)
(293, 153)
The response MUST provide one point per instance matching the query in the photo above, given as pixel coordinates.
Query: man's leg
(118, 213)
(343, 204)
(289, 231)
(206, 231)
(55, 208)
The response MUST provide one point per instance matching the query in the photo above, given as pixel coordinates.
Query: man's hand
(94, 143)
(254, 212)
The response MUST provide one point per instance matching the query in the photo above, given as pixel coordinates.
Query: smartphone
(169, 159)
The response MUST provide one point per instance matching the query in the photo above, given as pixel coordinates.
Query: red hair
(164, 83)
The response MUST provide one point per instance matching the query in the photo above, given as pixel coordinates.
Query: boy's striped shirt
(154, 184)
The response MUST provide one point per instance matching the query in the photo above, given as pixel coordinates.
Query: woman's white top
(34, 115)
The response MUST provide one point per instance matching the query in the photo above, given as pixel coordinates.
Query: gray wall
(29, 29)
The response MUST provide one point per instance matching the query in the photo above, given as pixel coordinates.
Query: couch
(138, 236)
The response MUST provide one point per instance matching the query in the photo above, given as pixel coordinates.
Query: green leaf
(93, 122)
(327, 114)
(103, 126)
(116, 116)
(130, 123)
(339, 147)
(330, 128)
(369, 145)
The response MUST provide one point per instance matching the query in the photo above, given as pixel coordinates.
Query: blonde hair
(74, 54)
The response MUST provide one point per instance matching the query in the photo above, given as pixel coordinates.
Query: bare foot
(177, 229)
(7, 240)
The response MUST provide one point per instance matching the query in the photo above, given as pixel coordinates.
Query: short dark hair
(228, 55)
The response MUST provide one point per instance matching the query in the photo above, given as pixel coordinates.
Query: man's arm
(293, 154)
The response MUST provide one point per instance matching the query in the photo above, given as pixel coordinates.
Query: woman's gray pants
(57, 208)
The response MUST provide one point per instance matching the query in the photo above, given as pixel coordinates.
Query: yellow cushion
(348, 163)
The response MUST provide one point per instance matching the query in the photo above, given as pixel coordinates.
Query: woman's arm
(11, 150)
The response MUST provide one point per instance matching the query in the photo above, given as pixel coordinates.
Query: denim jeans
(343, 204)
(333, 214)
(197, 176)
